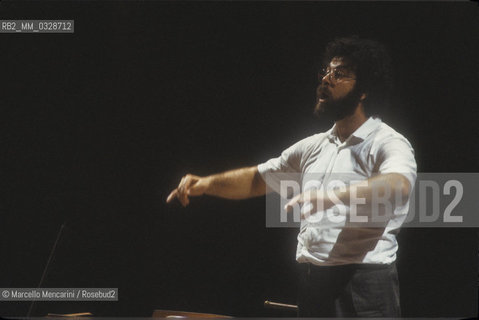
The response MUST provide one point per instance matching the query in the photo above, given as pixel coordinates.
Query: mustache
(322, 90)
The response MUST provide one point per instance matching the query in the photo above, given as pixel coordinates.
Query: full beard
(338, 108)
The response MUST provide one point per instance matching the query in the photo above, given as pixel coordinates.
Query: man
(347, 270)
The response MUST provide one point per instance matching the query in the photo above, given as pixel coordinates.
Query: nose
(325, 80)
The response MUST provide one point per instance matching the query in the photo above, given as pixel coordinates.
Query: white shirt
(374, 148)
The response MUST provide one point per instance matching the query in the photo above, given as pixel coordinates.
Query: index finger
(293, 201)
(172, 195)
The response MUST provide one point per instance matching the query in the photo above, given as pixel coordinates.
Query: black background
(98, 126)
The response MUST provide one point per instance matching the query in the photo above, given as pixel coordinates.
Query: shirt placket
(338, 145)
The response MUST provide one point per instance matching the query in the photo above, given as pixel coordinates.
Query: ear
(363, 97)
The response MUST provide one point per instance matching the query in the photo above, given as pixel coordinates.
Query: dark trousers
(353, 290)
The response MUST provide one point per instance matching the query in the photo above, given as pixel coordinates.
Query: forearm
(236, 184)
(393, 186)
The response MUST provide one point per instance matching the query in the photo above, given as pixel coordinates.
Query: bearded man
(344, 271)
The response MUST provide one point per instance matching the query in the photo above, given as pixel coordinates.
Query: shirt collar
(362, 132)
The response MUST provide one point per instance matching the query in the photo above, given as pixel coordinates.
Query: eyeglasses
(336, 74)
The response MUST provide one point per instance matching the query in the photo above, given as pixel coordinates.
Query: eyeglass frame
(323, 73)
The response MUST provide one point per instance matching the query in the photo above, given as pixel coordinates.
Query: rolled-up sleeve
(285, 167)
(396, 155)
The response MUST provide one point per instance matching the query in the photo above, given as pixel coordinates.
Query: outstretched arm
(235, 184)
(396, 186)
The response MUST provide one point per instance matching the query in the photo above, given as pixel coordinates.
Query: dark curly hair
(372, 66)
